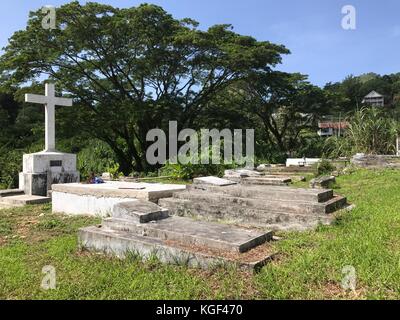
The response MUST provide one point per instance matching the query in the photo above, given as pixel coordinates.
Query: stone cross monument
(50, 101)
(41, 170)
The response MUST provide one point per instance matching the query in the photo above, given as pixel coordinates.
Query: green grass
(309, 265)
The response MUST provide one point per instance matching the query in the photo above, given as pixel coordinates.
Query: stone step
(244, 216)
(122, 243)
(214, 181)
(260, 180)
(266, 181)
(198, 233)
(11, 192)
(23, 200)
(288, 206)
(139, 211)
(8, 205)
(290, 170)
(269, 192)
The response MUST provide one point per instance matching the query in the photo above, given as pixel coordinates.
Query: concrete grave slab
(99, 199)
(175, 240)
(120, 243)
(22, 200)
(186, 230)
(139, 211)
(242, 173)
(215, 181)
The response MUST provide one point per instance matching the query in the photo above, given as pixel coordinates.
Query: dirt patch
(333, 290)
(257, 254)
(3, 241)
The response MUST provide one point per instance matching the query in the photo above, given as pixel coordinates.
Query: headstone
(41, 170)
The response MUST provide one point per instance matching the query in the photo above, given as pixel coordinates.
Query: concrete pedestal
(41, 170)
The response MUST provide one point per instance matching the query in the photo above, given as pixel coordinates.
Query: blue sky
(311, 29)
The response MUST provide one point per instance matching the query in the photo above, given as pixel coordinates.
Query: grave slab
(121, 243)
(99, 199)
(186, 230)
(11, 192)
(215, 181)
(22, 200)
(139, 211)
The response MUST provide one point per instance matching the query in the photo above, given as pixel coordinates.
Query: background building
(374, 99)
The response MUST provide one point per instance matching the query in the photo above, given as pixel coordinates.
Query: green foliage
(198, 168)
(5, 228)
(97, 158)
(50, 224)
(131, 70)
(336, 147)
(10, 166)
(190, 171)
(325, 167)
(350, 93)
(370, 131)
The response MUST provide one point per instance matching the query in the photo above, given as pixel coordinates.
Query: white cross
(50, 101)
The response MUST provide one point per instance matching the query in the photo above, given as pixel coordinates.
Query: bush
(325, 167)
(370, 131)
(97, 157)
(10, 167)
(190, 171)
(196, 168)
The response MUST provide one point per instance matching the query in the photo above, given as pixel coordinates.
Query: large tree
(131, 70)
(286, 105)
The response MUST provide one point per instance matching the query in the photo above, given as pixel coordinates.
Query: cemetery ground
(308, 265)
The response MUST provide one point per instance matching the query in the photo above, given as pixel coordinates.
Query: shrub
(370, 131)
(97, 157)
(10, 166)
(196, 168)
(325, 167)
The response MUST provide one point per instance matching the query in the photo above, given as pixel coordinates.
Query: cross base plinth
(42, 170)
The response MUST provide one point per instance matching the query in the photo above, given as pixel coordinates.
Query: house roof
(333, 125)
(374, 94)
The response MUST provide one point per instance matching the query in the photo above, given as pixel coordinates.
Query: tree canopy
(131, 70)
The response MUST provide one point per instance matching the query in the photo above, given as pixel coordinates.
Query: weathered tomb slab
(22, 200)
(139, 211)
(197, 233)
(99, 200)
(289, 206)
(214, 181)
(121, 243)
(261, 180)
(11, 192)
(241, 173)
(245, 216)
(267, 192)
(375, 161)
